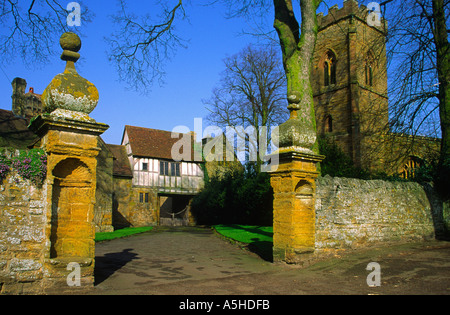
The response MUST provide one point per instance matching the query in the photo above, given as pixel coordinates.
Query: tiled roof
(152, 143)
(121, 163)
(31, 93)
(14, 131)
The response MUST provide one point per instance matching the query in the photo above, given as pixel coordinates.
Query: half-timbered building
(157, 188)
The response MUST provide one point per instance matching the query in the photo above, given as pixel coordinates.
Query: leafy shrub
(237, 198)
(337, 163)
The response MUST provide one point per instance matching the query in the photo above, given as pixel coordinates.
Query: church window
(329, 69)
(369, 68)
(410, 167)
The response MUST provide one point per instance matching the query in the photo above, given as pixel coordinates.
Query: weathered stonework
(103, 214)
(72, 148)
(22, 237)
(69, 93)
(71, 141)
(352, 213)
(352, 110)
(294, 187)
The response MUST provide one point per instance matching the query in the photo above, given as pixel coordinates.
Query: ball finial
(70, 41)
(70, 94)
(71, 44)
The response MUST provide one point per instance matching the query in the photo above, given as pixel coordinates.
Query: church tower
(349, 81)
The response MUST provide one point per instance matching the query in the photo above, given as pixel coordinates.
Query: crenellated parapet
(352, 9)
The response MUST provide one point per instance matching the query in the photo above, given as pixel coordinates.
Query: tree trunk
(443, 67)
(298, 48)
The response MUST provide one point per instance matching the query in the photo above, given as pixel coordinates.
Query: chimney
(18, 86)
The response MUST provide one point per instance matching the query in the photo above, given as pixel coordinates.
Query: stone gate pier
(294, 218)
(293, 183)
(70, 138)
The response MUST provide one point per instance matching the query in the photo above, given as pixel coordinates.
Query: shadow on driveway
(109, 263)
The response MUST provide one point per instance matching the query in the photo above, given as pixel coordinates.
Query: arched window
(410, 167)
(369, 68)
(329, 68)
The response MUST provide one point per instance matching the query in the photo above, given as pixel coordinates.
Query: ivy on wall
(29, 164)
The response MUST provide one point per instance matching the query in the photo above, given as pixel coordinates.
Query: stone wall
(142, 212)
(103, 216)
(129, 210)
(22, 238)
(351, 213)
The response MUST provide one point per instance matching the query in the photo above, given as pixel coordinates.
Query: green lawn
(258, 238)
(246, 233)
(106, 236)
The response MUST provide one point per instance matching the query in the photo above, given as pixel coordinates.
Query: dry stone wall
(22, 237)
(351, 213)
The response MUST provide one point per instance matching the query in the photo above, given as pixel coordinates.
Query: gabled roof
(14, 131)
(121, 163)
(152, 143)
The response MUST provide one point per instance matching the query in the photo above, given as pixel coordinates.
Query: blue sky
(190, 76)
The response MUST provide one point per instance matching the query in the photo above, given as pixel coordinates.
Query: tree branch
(138, 49)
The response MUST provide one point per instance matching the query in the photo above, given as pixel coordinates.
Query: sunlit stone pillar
(70, 138)
(293, 182)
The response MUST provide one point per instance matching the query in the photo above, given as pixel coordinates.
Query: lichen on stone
(69, 90)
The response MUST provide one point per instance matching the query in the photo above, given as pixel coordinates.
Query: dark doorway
(174, 210)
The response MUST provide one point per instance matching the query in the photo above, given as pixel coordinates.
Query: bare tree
(297, 42)
(420, 51)
(252, 92)
(140, 46)
(441, 10)
(414, 87)
(132, 49)
(138, 50)
(28, 28)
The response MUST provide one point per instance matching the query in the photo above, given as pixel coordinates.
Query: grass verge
(258, 239)
(107, 236)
